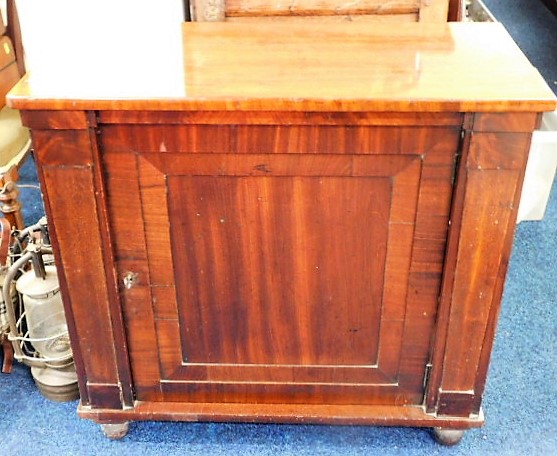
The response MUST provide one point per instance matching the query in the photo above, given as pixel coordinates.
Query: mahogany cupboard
(286, 222)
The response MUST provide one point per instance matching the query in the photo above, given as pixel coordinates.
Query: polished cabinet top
(290, 66)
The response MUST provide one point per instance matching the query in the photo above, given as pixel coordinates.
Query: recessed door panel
(280, 270)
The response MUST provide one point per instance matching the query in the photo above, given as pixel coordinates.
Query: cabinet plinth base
(375, 415)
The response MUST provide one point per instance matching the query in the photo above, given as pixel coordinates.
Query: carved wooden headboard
(327, 10)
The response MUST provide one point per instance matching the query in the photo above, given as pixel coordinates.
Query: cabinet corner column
(69, 168)
(483, 218)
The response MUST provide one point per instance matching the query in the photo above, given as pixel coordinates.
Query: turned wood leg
(115, 431)
(10, 205)
(448, 437)
(8, 356)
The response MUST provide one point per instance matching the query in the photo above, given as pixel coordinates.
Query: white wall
(44, 22)
(3, 8)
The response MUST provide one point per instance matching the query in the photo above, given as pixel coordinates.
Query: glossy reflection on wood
(292, 66)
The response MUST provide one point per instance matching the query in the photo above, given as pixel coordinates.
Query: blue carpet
(534, 29)
(520, 399)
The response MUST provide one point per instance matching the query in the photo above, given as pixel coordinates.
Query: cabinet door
(282, 277)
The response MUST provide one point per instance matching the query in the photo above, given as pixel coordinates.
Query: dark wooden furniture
(287, 223)
(14, 138)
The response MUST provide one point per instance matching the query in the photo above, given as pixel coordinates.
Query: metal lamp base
(56, 384)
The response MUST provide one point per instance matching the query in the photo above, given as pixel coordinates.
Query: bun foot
(448, 437)
(115, 431)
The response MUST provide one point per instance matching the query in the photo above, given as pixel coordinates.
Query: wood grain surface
(299, 67)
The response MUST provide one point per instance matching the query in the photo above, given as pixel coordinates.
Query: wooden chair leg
(8, 356)
(10, 205)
